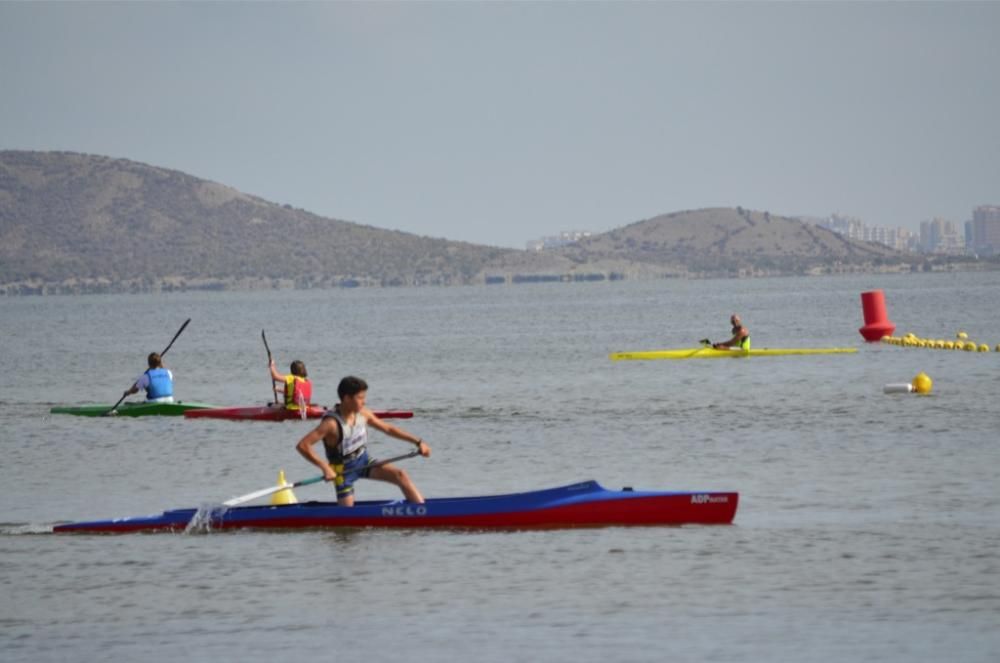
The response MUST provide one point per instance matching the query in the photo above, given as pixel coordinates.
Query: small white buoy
(898, 388)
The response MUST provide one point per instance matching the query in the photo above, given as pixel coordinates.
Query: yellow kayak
(712, 353)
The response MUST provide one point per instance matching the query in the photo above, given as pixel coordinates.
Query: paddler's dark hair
(299, 369)
(351, 386)
(154, 360)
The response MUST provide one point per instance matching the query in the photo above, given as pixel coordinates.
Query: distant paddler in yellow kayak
(740, 339)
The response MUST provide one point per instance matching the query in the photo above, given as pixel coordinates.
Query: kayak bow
(585, 504)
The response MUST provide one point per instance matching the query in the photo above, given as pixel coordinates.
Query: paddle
(274, 387)
(705, 345)
(169, 345)
(249, 497)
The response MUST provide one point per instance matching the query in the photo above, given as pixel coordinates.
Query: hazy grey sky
(501, 122)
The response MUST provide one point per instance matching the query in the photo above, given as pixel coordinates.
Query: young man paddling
(157, 381)
(741, 336)
(344, 431)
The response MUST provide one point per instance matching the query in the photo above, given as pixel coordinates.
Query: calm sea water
(868, 529)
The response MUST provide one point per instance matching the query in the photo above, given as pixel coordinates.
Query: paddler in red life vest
(344, 431)
(741, 336)
(298, 388)
(157, 381)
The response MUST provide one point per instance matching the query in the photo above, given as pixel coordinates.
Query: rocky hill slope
(722, 240)
(83, 223)
(73, 218)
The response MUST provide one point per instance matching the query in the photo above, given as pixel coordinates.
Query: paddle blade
(264, 492)
(179, 331)
(266, 346)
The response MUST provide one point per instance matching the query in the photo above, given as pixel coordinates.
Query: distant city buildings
(854, 228)
(556, 241)
(941, 236)
(982, 234)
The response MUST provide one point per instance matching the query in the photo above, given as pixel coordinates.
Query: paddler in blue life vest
(298, 388)
(741, 336)
(157, 381)
(344, 431)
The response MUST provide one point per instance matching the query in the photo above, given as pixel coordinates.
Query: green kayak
(132, 409)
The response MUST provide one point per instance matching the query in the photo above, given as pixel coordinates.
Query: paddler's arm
(305, 447)
(139, 383)
(734, 341)
(396, 432)
(275, 375)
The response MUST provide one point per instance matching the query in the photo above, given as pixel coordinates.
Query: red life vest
(297, 390)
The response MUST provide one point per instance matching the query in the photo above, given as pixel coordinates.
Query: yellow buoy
(285, 496)
(922, 383)
(962, 335)
(949, 345)
(970, 347)
(984, 348)
(997, 348)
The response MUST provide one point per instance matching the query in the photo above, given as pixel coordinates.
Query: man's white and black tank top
(353, 438)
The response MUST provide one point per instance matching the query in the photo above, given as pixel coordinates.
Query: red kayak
(278, 413)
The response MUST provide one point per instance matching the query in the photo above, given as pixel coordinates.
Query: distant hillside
(72, 218)
(724, 240)
(82, 223)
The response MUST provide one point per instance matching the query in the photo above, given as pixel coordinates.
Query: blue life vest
(160, 384)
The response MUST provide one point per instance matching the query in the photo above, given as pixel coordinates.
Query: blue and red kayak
(585, 504)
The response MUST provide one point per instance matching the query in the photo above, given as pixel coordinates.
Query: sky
(502, 122)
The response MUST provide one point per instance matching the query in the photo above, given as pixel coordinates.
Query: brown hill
(725, 240)
(82, 223)
(82, 219)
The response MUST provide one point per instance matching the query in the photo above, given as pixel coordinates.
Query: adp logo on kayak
(709, 499)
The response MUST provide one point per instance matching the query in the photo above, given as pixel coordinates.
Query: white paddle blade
(249, 497)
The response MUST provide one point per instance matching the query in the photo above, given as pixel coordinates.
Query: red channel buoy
(877, 322)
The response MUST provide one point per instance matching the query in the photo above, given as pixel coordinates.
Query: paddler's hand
(424, 449)
(329, 474)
